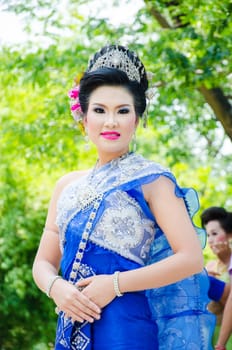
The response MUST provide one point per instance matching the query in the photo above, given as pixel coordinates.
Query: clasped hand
(84, 301)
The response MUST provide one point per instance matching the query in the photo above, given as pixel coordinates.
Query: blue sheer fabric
(124, 235)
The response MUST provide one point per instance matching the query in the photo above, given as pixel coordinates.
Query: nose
(110, 119)
(210, 240)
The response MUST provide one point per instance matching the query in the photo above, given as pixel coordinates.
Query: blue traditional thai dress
(105, 226)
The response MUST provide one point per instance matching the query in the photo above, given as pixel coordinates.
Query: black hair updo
(219, 214)
(112, 76)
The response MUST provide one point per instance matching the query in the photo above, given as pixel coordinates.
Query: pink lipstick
(110, 135)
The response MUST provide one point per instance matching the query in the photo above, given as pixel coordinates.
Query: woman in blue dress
(121, 234)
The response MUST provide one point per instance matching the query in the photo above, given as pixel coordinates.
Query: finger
(88, 303)
(73, 316)
(80, 316)
(87, 307)
(80, 308)
(221, 244)
(84, 282)
(86, 317)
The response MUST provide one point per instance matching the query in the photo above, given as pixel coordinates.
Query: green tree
(200, 51)
(39, 142)
(34, 117)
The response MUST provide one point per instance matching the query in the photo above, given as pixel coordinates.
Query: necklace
(98, 180)
(98, 177)
(89, 195)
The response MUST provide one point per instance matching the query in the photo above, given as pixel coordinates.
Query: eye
(214, 233)
(124, 110)
(99, 110)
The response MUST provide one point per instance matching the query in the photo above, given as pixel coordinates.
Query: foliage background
(40, 142)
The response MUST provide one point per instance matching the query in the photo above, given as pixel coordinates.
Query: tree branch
(157, 15)
(221, 107)
(214, 97)
(162, 20)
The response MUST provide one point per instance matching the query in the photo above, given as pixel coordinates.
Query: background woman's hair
(114, 77)
(219, 214)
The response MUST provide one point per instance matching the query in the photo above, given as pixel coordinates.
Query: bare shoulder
(72, 176)
(160, 187)
(59, 187)
(68, 178)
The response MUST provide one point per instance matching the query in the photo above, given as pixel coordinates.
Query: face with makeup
(111, 121)
(216, 234)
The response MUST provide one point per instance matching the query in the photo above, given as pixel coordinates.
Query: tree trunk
(221, 107)
(215, 97)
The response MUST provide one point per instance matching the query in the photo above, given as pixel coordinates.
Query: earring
(134, 144)
(86, 138)
(230, 243)
(150, 93)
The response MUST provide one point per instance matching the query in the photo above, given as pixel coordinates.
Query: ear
(136, 122)
(85, 121)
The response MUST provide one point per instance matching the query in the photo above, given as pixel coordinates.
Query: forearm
(43, 272)
(164, 272)
(225, 294)
(226, 326)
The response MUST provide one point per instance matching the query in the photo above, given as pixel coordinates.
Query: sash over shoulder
(105, 213)
(126, 173)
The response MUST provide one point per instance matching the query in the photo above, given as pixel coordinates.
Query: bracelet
(116, 286)
(219, 347)
(50, 284)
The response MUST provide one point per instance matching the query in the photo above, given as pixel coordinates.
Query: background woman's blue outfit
(124, 235)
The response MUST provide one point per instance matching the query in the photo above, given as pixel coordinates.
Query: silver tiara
(116, 58)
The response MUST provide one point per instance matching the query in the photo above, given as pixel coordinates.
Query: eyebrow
(119, 106)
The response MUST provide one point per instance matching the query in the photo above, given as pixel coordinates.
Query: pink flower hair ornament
(75, 106)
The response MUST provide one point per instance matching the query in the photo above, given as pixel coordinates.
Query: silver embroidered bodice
(122, 227)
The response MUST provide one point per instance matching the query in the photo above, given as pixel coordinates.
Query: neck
(104, 160)
(98, 165)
